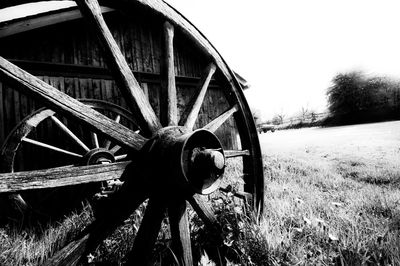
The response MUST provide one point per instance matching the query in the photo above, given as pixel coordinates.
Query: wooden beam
(43, 20)
(189, 117)
(129, 86)
(68, 106)
(59, 177)
(107, 142)
(81, 71)
(169, 86)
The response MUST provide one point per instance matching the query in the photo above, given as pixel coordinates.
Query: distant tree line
(355, 98)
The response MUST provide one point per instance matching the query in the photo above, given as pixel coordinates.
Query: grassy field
(332, 195)
(332, 198)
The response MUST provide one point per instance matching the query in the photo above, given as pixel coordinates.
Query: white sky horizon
(289, 50)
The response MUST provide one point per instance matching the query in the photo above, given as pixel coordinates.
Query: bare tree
(278, 118)
(256, 116)
(304, 112)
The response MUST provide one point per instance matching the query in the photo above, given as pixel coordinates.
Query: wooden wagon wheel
(90, 151)
(173, 163)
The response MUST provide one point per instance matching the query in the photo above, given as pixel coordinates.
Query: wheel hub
(193, 159)
(98, 156)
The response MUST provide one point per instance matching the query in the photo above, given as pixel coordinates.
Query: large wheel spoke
(115, 149)
(168, 84)
(204, 210)
(59, 177)
(121, 157)
(123, 74)
(236, 153)
(68, 106)
(217, 122)
(50, 147)
(70, 254)
(147, 234)
(69, 132)
(95, 139)
(107, 143)
(179, 224)
(190, 115)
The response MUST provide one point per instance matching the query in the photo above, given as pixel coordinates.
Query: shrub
(355, 98)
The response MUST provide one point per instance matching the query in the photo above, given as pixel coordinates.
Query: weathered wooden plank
(107, 142)
(179, 225)
(189, 117)
(2, 126)
(69, 87)
(9, 114)
(128, 45)
(18, 117)
(77, 92)
(156, 41)
(82, 87)
(154, 97)
(24, 106)
(59, 177)
(217, 122)
(96, 89)
(108, 90)
(151, 49)
(39, 22)
(169, 96)
(68, 106)
(89, 92)
(137, 52)
(83, 49)
(128, 84)
(17, 106)
(146, 52)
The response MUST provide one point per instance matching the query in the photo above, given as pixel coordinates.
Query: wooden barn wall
(72, 44)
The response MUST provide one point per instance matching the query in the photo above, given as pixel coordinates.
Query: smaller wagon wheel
(89, 150)
(173, 163)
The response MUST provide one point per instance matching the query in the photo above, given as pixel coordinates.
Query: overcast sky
(289, 50)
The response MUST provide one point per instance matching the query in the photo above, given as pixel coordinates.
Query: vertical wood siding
(73, 43)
